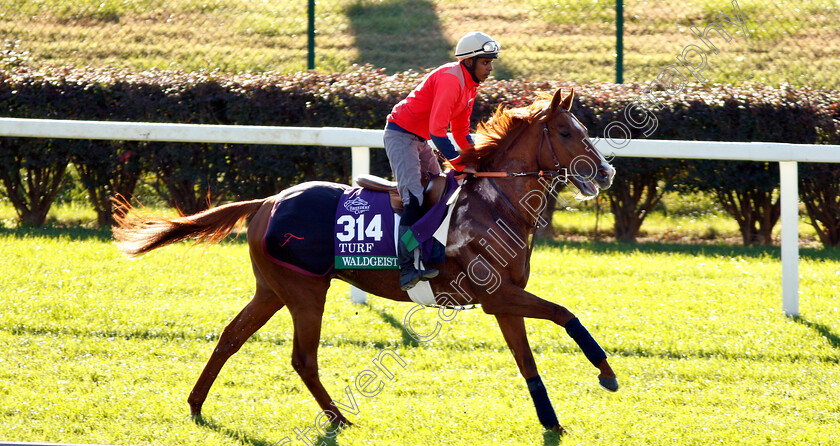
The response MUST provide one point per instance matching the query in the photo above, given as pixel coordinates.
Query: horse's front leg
(514, 301)
(513, 329)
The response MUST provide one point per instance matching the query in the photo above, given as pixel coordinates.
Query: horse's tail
(136, 235)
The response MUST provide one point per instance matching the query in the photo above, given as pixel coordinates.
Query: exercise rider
(443, 100)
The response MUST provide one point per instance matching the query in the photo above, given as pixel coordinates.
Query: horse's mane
(505, 123)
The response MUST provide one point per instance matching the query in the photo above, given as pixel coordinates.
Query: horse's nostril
(605, 172)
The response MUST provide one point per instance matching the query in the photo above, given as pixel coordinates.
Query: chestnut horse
(487, 257)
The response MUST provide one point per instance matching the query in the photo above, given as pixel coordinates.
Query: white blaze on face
(589, 144)
(591, 147)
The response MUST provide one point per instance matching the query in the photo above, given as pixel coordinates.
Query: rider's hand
(458, 164)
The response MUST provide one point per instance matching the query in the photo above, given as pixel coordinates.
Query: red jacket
(444, 98)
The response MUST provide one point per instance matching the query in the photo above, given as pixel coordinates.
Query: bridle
(545, 140)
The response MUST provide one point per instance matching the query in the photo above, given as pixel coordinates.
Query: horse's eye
(566, 134)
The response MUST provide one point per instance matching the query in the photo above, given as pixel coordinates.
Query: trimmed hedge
(717, 113)
(190, 175)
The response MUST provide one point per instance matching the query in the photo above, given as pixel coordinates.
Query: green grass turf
(98, 348)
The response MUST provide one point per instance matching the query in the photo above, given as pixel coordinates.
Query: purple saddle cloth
(364, 231)
(317, 227)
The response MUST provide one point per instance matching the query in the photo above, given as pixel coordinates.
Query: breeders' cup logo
(357, 205)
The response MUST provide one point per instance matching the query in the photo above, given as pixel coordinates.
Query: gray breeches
(411, 158)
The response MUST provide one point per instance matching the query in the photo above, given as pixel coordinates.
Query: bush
(32, 170)
(746, 190)
(191, 174)
(107, 169)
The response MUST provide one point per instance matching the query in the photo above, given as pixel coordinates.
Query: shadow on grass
(244, 438)
(110, 333)
(407, 339)
(713, 354)
(80, 233)
(399, 34)
(71, 233)
(236, 435)
(609, 247)
(327, 441)
(551, 438)
(824, 330)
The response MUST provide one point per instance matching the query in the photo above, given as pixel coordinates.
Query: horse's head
(543, 136)
(570, 145)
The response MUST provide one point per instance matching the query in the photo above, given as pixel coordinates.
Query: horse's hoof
(610, 384)
(195, 414)
(559, 430)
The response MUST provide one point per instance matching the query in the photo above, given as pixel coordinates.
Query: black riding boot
(409, 275)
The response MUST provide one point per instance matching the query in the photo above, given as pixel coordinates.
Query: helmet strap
(471, 69)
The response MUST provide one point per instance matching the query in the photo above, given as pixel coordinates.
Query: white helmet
(477, 44)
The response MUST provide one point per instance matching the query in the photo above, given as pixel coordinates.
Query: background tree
(637, 188)
(819, 189)
(32, 171)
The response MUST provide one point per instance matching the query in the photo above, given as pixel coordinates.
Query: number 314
(356, 227)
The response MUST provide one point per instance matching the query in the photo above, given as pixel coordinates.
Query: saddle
(431, 195)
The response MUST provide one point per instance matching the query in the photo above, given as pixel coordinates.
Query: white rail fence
(361, 141)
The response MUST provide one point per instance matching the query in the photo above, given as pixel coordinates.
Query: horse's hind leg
(258, 311)
(307, 321)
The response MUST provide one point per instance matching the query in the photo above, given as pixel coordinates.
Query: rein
(545, 139)
(540, 173)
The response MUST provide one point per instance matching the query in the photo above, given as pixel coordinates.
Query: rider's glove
(458, 163)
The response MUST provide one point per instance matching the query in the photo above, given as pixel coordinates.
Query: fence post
(619, 41)
(310, 40)
(360, 161)
(360, 157)
(789, 191)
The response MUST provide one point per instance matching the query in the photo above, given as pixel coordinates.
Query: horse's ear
(564, 103)
(558, 97)
(567, 101)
